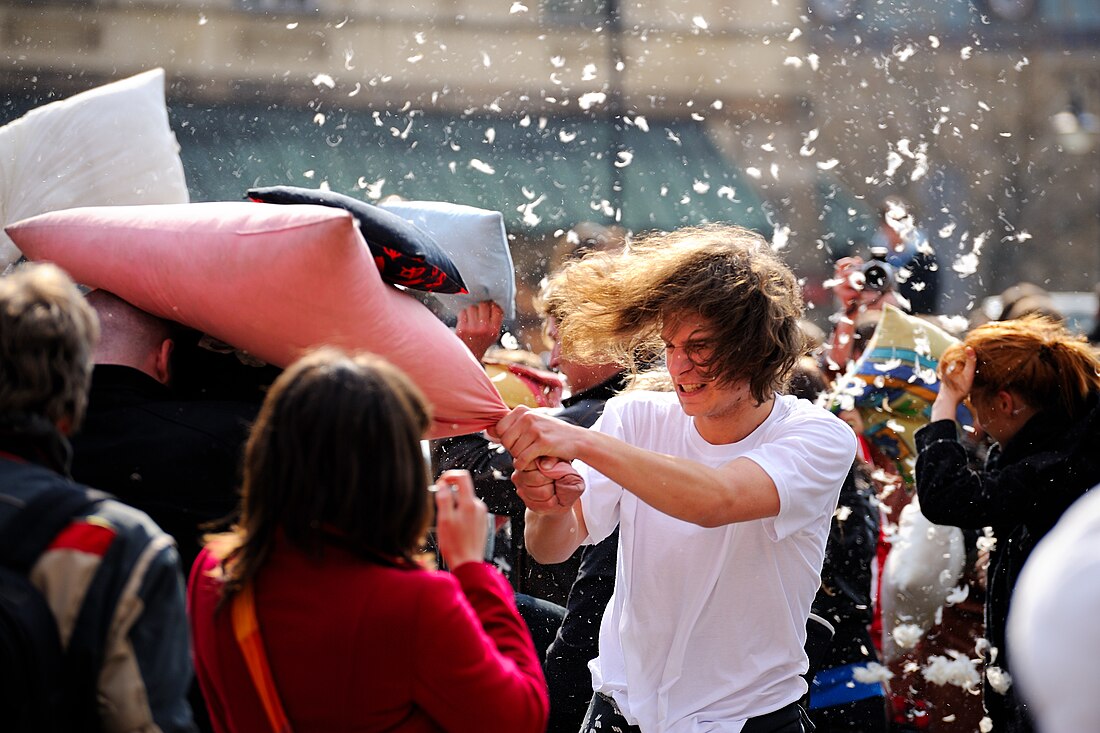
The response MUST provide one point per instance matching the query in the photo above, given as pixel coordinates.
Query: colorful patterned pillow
(894, 383)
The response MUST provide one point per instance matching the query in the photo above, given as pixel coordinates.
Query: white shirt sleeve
(808, 462)
(602, 496)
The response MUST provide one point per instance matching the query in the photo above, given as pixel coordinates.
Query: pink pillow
(271, 280)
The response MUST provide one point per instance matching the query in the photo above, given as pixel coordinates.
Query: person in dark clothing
(910, 254)
(582, 584)
(175, 459)
(1035, 390)
(109, 576)
(838, 701)
(577, 640)
(492, 470)
(1094, 334)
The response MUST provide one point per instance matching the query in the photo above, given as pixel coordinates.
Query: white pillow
(110, 145)
(477, 242)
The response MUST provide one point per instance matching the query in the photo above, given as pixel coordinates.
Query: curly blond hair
(619, 304)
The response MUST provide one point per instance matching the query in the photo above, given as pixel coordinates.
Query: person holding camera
(908, 251)
(322, 564)
(863, 288)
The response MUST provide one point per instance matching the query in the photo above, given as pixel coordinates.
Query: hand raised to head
(957, 377)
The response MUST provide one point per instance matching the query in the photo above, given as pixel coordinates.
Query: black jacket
(1024, 489)
(844, 599)
(177, 460)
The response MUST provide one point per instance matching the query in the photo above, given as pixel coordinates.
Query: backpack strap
(246, 629)
(60, 685)
(30, 531)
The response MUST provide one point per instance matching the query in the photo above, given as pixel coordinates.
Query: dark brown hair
(808, 381)
(726, 274)
(1035, 357)
(333, 458)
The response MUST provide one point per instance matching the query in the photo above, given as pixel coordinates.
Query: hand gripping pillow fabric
(405, 254)
(478, 243)
(894, 383)
(108, 146)
(271, 280)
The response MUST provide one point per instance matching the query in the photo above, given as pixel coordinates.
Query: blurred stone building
(793, 117)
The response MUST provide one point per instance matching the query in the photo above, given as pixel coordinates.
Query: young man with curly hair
(722, 488)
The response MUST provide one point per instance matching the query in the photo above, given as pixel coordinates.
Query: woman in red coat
(357, 635)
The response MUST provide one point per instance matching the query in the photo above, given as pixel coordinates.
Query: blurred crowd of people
(662, 576)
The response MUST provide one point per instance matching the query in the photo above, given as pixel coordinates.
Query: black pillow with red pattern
(405, 254)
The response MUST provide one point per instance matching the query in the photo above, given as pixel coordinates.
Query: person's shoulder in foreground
(1052, 628)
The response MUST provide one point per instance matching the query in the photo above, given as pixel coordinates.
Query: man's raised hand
(529, 436)
(541, 448)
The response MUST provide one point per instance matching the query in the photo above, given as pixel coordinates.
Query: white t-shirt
(706, 626)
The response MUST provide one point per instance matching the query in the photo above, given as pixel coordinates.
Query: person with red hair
(1035, 390)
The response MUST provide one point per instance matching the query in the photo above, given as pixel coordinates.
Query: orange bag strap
(246, 628)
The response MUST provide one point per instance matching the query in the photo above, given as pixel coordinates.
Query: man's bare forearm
(553, 538)
(682, 488)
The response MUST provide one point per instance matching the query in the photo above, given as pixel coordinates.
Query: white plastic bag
(924, 564)
(108, 146)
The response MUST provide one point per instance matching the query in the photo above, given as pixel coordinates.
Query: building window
(277, 6)
(576, 12)
(1010, 10)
